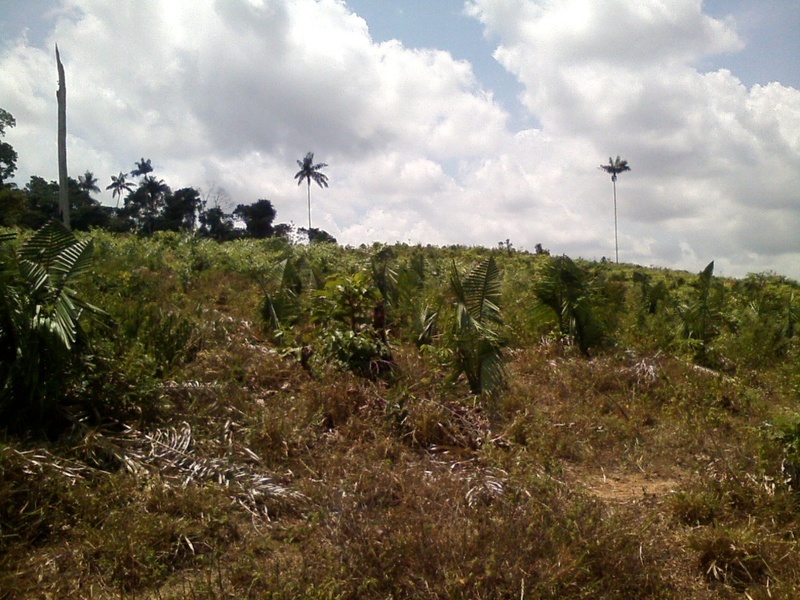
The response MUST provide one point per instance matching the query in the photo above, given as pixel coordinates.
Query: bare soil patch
(627, 487)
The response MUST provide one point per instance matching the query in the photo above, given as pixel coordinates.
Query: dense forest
(192, 414)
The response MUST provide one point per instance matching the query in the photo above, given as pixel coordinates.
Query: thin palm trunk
(616, 240)
(309, 207)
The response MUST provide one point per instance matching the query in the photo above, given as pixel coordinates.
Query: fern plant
(476, 340)
(40, 314)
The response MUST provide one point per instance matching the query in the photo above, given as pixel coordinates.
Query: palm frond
(309, 170)
(47, 243)
(277, 290)
(425, 324)
(64, 321)
(48, 262)
(320, 178)
(73, 261)
(34, 274)
(275, 275)
(482, 289)
(456, 285)
(493, 372)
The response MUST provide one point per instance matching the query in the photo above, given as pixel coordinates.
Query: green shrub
(347, 313)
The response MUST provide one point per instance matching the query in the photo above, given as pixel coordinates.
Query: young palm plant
(701, 315)
(282, 285)
(563, 288)
(40, 313)
(476, 340)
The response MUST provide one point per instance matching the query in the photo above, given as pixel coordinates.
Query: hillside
(254, 419)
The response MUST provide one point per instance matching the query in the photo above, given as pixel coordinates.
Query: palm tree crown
(615, 167)
(308, 171)
(143, 167)
(88, 182)
(119, 186)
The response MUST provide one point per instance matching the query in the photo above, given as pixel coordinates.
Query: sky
(442, 122)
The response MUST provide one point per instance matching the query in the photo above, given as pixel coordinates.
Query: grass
(631, 474)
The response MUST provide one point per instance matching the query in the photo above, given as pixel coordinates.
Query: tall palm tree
(88, 182)
(148, 201)
(119, 186)
(155, 192)
(615, 167)
(308, 171)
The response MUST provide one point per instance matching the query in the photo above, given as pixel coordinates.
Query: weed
(201, 460)
(730, 560)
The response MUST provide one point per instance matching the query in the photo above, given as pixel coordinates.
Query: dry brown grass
(618, 477)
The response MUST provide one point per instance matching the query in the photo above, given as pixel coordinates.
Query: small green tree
(282, 286)
(415, 309)
(346, 312)
(257, 217)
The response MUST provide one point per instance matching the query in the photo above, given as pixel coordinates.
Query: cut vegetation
(256, 419)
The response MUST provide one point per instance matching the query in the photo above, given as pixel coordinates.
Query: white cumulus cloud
(232, 92)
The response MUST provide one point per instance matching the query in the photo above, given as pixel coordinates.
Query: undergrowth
(207, 456)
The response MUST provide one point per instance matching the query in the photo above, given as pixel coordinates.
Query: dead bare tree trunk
(63, 181)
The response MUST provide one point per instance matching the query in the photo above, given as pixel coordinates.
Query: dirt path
(625, 487)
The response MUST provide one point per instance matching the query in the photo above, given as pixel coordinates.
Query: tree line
(145, 204)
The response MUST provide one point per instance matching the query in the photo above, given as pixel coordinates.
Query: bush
(348, 313)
